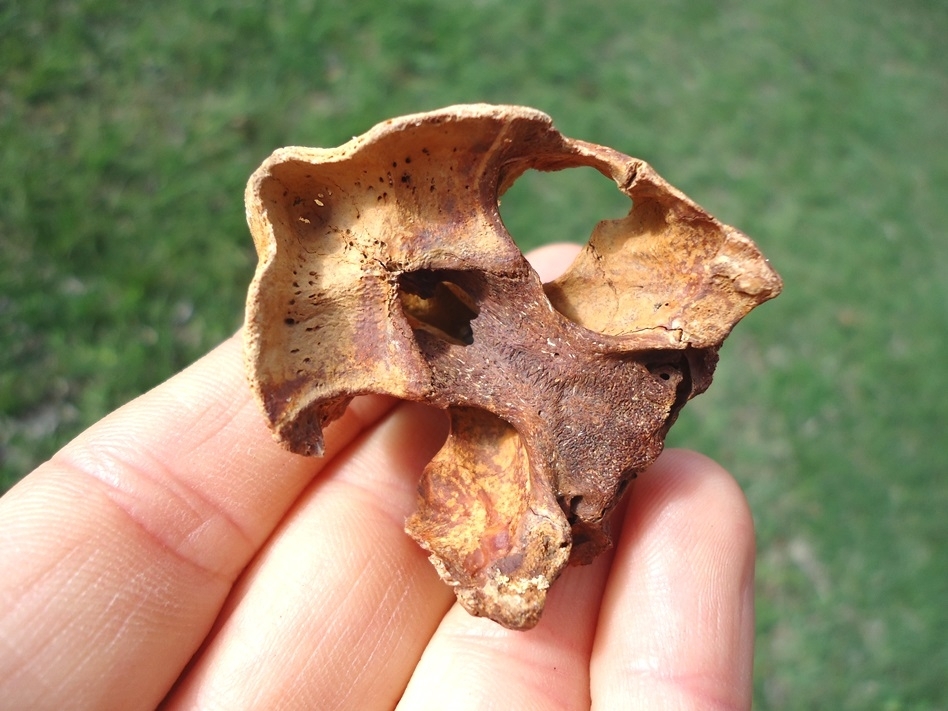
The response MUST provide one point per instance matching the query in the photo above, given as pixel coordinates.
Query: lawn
(127, 132)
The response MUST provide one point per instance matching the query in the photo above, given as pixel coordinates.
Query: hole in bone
(665, 371)
(561, 206)
(437, 306)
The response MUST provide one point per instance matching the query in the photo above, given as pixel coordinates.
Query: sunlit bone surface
(385, 268)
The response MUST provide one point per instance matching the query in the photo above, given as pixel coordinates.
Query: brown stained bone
(385, 268)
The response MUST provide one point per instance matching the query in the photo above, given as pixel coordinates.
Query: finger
(677, 621)
(119, 552)
(474, 663)
(338, 607)
(551, 260)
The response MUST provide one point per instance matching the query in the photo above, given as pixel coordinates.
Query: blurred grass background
(127, 132)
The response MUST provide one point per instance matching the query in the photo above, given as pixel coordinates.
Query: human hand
(174, 553)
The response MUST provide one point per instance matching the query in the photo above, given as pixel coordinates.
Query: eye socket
(437, 306)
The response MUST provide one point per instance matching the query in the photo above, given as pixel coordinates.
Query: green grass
(127, 133)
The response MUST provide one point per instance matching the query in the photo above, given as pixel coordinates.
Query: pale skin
(174, 555)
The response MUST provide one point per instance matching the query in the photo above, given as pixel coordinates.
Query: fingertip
(677, 619)
(686, 506)
(707, 490)
(551, 260)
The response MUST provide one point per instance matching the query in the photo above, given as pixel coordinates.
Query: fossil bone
(385, 268)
